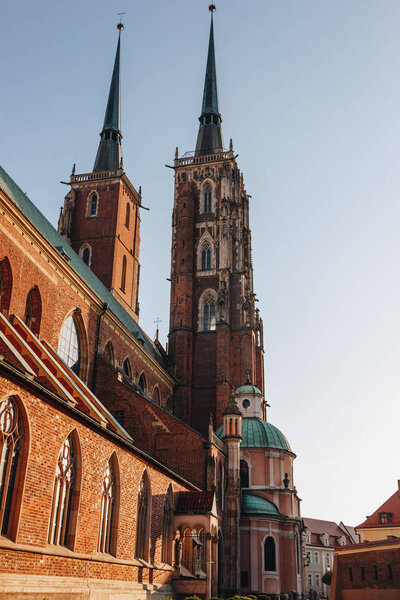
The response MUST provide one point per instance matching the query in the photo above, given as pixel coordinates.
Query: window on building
(375, 572)
(166, 544)
(220, 485)
(390, 572)
(12, 440)
(362, 573)
(142, 382)
(203, 550)
(207, 198)
(350, 573)
(385, 518)
(317, 580)
(93, 205)
(127, 215)
(123, 274)
(64, 485)
(127, 369)
(326, 540)
(109, 353)
(187, 550)
(5, 285)
(316, 557)
(156, 395)
(206, 257)
(308, 558)
(209, 320)
(269, 554)
(244, 474)
(86, 255)
(108, 510)
(33, 310)
(69, 347)
(143, 518)
(309, 579)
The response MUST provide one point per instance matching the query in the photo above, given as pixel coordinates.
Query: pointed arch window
(166, 547)
(220, 485)
(127, 215)
(123, 274)
(63, 495)
(33, 310)
(108, 510)
(269, 554)
(109, 353)
(69, 346)
(143, 518)
(244, 474)
(11, 440)
(209, 319)
(207, 195)
(206, 257)
(93, 205)
(142, 382)
(187, 550)
(5, 285)
(86, 254)
(127, 369)
(156, 395)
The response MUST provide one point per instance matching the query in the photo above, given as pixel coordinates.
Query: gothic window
(206, 257)
(5, 285)
(33, 310)
(142, 382)
(168, 404)
(187, 550)
(166, 546)
(109, 353)
(126, 367)
(207, 198)
(156, 395)
(108, 510)
(244, 474)
(209, 315)
(127, 215)
(69, 347)
(203, 550)
(86, 254)
(143, 518)
(63, 494)
(269, 554)
(123, 274)
(11, 440)
(93, 204)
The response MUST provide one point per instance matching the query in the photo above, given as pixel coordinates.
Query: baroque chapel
(129, 471)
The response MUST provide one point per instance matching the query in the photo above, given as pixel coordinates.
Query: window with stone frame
(63, 495)
(207, 198)
(206, 257)
(86, 254)
(108, 526)
(93, 205)
(123, 274)
(127, 369)
(69, 345)
(269, 554)
(33, 310)
(109, 353)
(143, 518)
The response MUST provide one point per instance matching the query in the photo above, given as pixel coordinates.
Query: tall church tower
(101, 213)
(215, 339)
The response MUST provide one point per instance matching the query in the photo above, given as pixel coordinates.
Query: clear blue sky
(310, 94)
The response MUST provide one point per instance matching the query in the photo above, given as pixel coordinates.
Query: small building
(384, 523)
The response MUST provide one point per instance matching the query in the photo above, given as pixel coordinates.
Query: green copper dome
(257, 433)
(247, 388)
(257, 505)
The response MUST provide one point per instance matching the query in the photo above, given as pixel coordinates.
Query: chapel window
(142, 382)
(86, 255)
(123, 274)
(127, 369)
(143, 518)
(93, 205)
(12, 440)
(203, 550)
(209, 319)
(207, 198)
(127, 215)
(166, 546)
(33, 310)
(69, 346)
(109, 353)
(206, 257)
(5, 285)
(156, 395)
(63, 495)
(108, 510)
(244, 474)
(269, 554)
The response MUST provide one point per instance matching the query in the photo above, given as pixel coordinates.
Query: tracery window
(33, 310)
(127, 369)
(206, 257)
(244, 474)
(207, 198)
(93, 205)
(64, 485)
(5, 285)
(123, 274)
(108, 506)
(69, 347)
(269, 554)
(166, 546)
(11, 439)
(209, 320)
(143, 518)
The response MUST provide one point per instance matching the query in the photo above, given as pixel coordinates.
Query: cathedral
(128, 470)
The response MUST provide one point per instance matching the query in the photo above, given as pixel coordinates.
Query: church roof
(257, 433)
(256, 505)
(247, 388)
(38, 220)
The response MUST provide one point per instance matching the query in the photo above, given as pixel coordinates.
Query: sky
(310, 94)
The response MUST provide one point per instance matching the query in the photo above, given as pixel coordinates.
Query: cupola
(232, 419)
(250, 400)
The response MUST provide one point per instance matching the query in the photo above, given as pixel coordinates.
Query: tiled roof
(21, 200)
(392, 505)
(319, 527)
(257, 505)
(194, 503)
(257, 433)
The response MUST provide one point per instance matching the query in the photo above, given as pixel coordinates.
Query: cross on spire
(158, 321)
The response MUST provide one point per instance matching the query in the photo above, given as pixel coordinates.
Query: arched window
(69, 347)
(187, 550)
(11, 440)
(244, 474)
(127, 215)
(33, 310)
(207, 198)
(86, 254)
(142, 382)
(206, 257)
(156, 395)
(143, 518)
(166, 546)
(168, 403)
(5, 285)
(123, 274)
(209, 320)
(109, 353)
(63, 495)
(127, 369)
(269, 554)
(108, 510)
(93, 205)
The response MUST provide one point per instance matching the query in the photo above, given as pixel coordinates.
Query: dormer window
(385, 518)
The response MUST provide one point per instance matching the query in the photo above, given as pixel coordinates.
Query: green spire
(109, 154)
(209, 138)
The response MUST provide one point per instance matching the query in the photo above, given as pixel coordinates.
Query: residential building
(384, 523)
